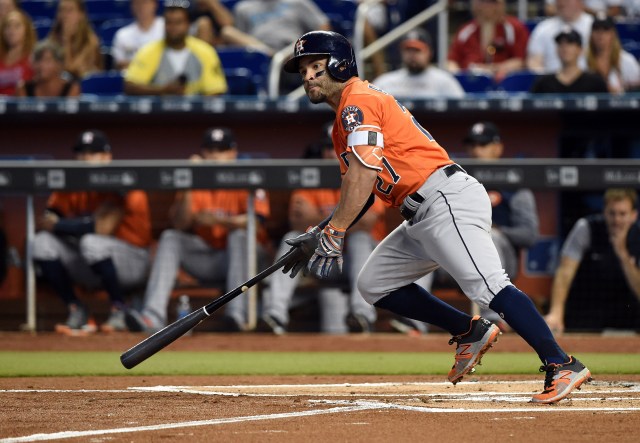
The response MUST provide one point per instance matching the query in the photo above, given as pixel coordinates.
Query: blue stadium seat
(341, 13)
(475, 83)
(103, 83)
(102, 10)
(42, 25)
(40, 8)
(520, 81)
(240, 82)
(628, 30)
(533, 22)
(108, 29)
(255, 61)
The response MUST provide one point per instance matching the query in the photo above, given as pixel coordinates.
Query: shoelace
(551, 371)
(455, 339)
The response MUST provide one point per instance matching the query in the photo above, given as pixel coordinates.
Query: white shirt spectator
(597, 5)
(130, 38)
(430, 83)
(629, 75)
(542, 40)
(632, 8)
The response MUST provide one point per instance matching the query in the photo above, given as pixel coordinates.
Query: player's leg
(334, 307)
(360, 245)
(276, 299)
(59, 263)
(387, 281)
(470, 256)
(236, 311)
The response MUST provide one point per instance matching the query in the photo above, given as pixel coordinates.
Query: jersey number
(379, 183)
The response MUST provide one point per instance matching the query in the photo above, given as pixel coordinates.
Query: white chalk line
(337, 406)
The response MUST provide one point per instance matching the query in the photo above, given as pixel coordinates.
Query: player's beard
(317, 95)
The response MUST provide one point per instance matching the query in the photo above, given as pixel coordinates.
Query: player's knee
(366, 290)
(93, 248)
(45, 246)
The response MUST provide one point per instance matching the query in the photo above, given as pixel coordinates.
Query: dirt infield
(310, 408)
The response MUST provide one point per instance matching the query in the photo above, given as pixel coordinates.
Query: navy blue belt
(409, 210)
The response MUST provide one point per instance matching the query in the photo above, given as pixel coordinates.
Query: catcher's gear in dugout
(342, 60)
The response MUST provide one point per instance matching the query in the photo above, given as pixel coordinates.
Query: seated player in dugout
(208, 241)
(98, 240)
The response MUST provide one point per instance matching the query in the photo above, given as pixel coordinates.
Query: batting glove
(327, 260)
(305, 245)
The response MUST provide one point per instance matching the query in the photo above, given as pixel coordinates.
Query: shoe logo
(566, 376)
(463, 351)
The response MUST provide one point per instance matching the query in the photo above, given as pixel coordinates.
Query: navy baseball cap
(220, 139)
(482, 133)
(569, 35)
(92, 140)
(603, 21)
(417, 38)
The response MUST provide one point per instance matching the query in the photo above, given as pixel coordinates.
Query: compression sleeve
(75, 226)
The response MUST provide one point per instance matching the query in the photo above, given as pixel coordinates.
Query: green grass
(39, 364)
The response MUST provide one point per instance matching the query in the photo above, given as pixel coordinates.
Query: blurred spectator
(542, 55)
(4, 248)
(610, 7)
(6, 6)
(96, 239)
(146, 28)
(72, 30)
(493, 42)
(307, 208)
(631, 8)
(597, 283)
(570, 78)
(514, 212)
(178, 64)
(606, 57)
(208, 241)
(17, 39)
(376, 24)
(417, 78)
(215, 24)
(278, 23)
(49, 78)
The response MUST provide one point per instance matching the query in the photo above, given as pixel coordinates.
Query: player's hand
(327, 260)
(555, 323)
(305, 245)
(48, 221)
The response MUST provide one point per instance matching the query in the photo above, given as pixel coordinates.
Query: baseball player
(96, 239)
(209, 241)
(385, 152)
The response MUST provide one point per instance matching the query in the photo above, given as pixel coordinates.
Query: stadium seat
(108, 29)
(533, 22)
(255, 61)
(520, 81)
(40, 8)
(42, 25)
(240, 82)
(628, 30)
(100, 11)
(104, 83)
(475, 83)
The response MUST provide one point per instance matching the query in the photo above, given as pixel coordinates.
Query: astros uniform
(277, 299)
(383, 135)
(127, 247)
(208, 253)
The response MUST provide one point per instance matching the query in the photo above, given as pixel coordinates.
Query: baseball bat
(161, 339)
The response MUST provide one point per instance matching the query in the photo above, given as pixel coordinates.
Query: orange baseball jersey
(327, 199)
(227, 202)
(135, 226)
(383, 135)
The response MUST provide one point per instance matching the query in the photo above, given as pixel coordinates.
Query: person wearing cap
(339, 314)
(492, 42)
(514, 212)
(418, 78)
(208, 241)
(178, 64)
(94, 239)
(605, 56)
(570, 78)
(542, 54)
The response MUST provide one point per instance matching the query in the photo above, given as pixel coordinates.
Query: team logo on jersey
(352, 117)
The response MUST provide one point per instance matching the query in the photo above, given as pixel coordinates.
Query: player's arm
(180, 212)
(562, 280)
(107, 218)
(355, 192)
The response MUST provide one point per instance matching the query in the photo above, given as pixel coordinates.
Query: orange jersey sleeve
(227, 203)
(382, 134)
(135, 226)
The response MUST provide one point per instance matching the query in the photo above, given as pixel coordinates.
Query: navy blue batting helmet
(342, 60)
